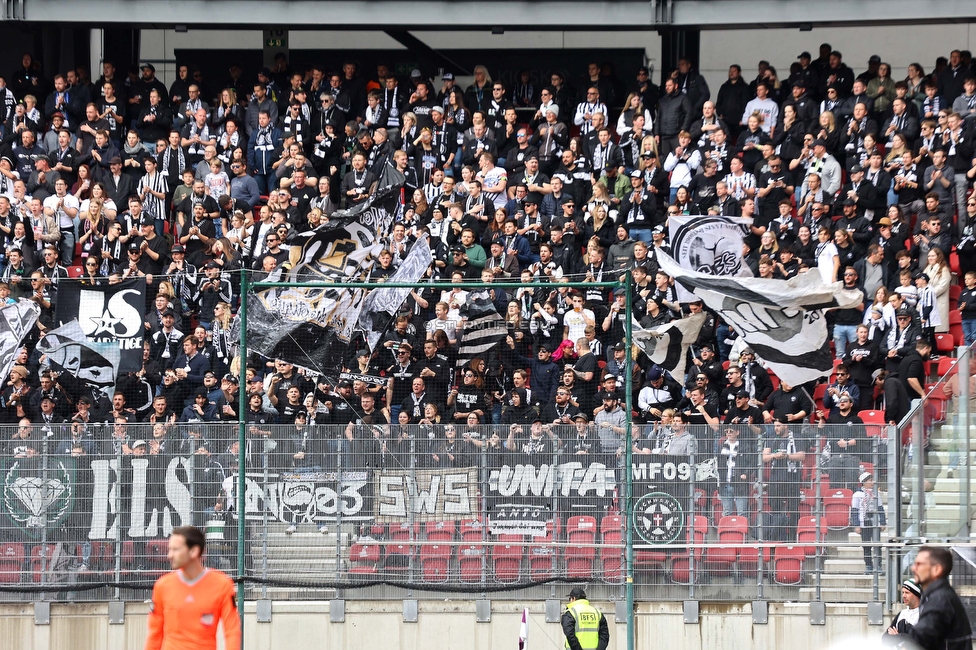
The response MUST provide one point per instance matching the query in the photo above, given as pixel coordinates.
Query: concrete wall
(897, 45)
(448, 624)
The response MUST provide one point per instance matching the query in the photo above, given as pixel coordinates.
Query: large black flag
(108, 314)
(300, 325)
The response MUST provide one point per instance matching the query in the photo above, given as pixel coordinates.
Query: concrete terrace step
(842, 595)
(842, 581)
(844, 566)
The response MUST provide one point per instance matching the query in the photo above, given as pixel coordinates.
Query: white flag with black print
(783, 321)
(381, 305)
(16, 320)
(483, 327)
(711, 245)
(667, 346)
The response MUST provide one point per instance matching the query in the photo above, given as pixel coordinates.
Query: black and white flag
(16, 321)
(112, 313)
(299, 324)
(381, 305)
(88, 368)
(667, 345)
(784, 321)
(483, 328)
(711, 245)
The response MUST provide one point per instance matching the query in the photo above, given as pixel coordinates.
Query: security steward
(583, 624)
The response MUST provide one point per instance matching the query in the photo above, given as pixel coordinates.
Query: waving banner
(298, 324)
(15, 322)
(709, 245)
(784, 321)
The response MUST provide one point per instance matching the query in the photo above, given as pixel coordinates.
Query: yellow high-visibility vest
(587, 619)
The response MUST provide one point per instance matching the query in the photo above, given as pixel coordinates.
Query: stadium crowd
(859, 177)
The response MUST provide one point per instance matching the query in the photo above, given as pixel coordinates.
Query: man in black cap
(533, 225)
(118, 186)
(836, 74)
(807, 75)
(905, 619)
(638, 209)
(900, 341)
(583, 624)
(153, 246)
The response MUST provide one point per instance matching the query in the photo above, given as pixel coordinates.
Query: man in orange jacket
(188, 603)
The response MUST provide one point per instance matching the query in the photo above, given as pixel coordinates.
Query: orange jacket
(184, 616)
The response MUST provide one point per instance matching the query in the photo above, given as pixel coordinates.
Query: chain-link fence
(734, 512)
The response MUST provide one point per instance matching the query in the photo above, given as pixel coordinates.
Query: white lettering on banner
(143, 521)
(430, 494)
(304, 498)
(572, 479)
(668, 471)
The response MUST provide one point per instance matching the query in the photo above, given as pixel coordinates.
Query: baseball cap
(415, 74)
(148, 66)
(637, 174)
(581, 416)
(133, 246)
(654, 373)
(138, 443)
(620, 346)
(884, 221)
(212, 265)
(864, 476)
(438, 109)
(742, 393)
(804, 55)
(820, 142)
(178, 248)
(448, 76)
(345, 383)
(232, 378)
(577, 592)
(855, 169)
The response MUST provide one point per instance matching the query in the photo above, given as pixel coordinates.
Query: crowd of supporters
(857, 177)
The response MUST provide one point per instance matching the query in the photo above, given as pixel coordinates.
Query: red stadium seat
(944, 343)
(440, 531)
(470, 562)
(471, 530)
(837, 508)
(506, 562)
(12, 557)
(720, 559)
(75, 271)
(398, 558)
(364, 558)
(947, 366)
(543, 553)
(806, 531)
(874, 422)
(682, 571)
(435, 562)
(404, 532)
(788, 565)
(581, 547)
(612, 548)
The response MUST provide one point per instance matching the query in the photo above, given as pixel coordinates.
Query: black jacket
(942, 620)
(569, 629)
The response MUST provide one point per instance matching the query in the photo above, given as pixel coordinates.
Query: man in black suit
(119, 186)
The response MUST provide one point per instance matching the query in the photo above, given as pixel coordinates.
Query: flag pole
(628, 455)
(241, 446)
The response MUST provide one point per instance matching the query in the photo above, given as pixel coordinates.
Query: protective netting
(444, 507)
